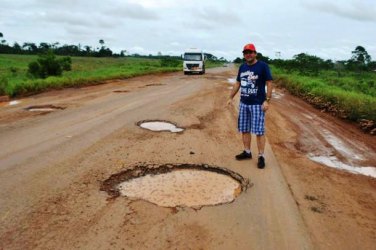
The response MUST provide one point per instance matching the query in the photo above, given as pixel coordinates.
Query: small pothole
(121, 91)
(11, 103)
(177, 185)
(155, 84)
(155, 125)
(43, 108)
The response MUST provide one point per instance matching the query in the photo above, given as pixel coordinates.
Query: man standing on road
(252, 77)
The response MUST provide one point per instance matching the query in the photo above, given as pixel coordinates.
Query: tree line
(306, 64)
(56, 48)
(29, 48)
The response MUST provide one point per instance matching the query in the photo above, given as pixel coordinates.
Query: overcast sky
(328, 29)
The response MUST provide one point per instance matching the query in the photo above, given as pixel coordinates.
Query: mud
(52, 171)
(368, 126)
(337, 203)
(111, 184)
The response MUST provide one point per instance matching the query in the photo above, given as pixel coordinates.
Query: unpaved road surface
(53, 164)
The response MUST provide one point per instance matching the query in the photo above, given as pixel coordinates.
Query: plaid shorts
(251, 119)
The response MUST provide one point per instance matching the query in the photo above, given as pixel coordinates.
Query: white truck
(194, 61)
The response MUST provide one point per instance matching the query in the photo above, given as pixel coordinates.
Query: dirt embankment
(338, 206)
(366, 125)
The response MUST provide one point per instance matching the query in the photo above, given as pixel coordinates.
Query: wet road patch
(44, 108)
(177, 185)
(159, 126)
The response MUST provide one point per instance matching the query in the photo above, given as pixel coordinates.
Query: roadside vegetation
(30, 68)
(16, 79)
(350, 96)
(346, 89)
(14, 72)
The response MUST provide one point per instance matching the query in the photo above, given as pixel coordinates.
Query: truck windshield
(192, 57)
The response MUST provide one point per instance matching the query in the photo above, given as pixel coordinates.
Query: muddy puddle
(334, 162)
(276, 95)
(231, 80)
(159, 126)
(342, 154)
(183, 185)
(12, 103)
(188, 188)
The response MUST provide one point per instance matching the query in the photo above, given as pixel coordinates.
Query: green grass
(353, 93)
(15, 81)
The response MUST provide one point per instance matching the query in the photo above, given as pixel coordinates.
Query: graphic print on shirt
(248, 84)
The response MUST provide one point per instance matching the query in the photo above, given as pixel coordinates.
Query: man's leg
(247, 141)
(261, 144)
(258, 128)
(244, 122)
(246, 154)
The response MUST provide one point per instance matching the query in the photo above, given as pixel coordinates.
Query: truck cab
(194, 61)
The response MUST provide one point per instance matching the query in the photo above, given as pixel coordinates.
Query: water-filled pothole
(160, 126)
(43, 108)
(231, 80)
(177, 185)
(11, 103)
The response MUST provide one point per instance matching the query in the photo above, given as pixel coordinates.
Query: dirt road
(53, 164)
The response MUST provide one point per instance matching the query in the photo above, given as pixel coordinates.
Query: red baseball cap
(249, 46)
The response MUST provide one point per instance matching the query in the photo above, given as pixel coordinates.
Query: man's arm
(269, 84)
(234, 90)
(265, 105)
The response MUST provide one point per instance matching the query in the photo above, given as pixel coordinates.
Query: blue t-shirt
(252, 80)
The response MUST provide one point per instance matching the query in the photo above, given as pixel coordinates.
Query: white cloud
(356, 10)
(163, 4)
(216, 16)
(220, 27)
(133, 11)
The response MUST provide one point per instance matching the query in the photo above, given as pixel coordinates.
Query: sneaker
(244, 155)
(261, 162)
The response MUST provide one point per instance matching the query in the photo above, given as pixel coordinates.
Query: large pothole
(158, 126)
(177, 185)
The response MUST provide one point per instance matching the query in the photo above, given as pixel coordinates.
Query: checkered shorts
(251, 119)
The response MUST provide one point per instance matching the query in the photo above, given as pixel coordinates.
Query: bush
(3, 85)
(47, 65)
(34, 69)
(170, 62)
(66, 63)
(13, 70)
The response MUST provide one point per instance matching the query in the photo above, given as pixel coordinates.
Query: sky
(328, 29)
